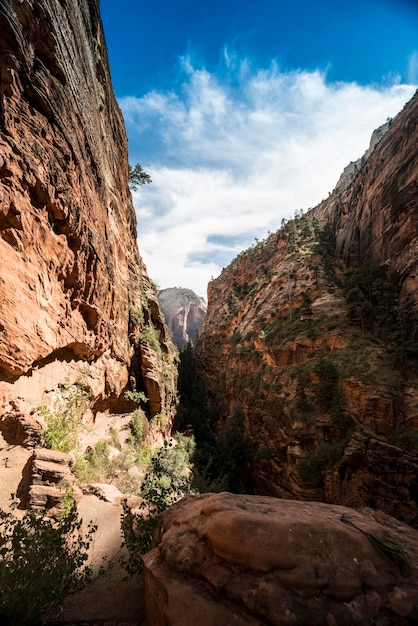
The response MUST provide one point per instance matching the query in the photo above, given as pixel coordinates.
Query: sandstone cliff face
(323, 405)
(74, 293)
(184, 313)
(375, 218)
(249, 560)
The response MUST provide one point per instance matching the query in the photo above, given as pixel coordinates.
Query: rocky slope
(306, 563)
(77, 307)
(184, 313)
(309, 347)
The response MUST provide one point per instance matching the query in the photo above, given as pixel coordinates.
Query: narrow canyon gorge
(296, 389)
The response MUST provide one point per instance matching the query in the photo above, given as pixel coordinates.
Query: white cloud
(413, 67)
(229, 157)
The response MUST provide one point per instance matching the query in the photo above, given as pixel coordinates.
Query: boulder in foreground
(241, 560)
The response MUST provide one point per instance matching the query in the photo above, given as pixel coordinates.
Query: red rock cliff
(325, 406)
(74, 294)
(375, 219)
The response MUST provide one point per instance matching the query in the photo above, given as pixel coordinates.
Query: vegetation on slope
(288, 362)
(219, 463)
(41, 562)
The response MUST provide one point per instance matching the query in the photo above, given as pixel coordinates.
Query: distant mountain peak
(184, 312)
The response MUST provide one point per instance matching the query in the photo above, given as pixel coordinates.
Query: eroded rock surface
(50, 481)
(325, 407)
(74, 293)
(238, 559)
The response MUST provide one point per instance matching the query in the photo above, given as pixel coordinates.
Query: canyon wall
(76, 303)
(309, 347)
(375, 219)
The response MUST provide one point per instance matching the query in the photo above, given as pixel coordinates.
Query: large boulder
(239, 559)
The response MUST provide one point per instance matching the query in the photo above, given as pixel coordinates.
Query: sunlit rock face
(325, 405)
(74, 292)
(250, 560)
(184, 313)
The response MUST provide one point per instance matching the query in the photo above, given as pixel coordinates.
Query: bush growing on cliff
(168, 479)
(137, 426)
(136, 315)
(135, 396)
(311, 469)
(329, 392)
(303, 406)
(110, 461)
(64, 420)
(138, 416)
(372, 303)
(41, 562)
(326, 389)
(151, 335)
(137, 177)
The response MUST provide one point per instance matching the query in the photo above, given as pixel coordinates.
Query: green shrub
(64, 420)
(135, 396)
(161, 419)
(97, 465)
(151, 335)
(137, 426)
(167, 480)
(311, 469)
(41, 562)
(170, 474)
(136, 315)
(94, 465)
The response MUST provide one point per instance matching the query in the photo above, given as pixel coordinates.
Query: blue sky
(244, 112)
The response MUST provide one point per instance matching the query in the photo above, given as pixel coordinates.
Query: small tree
(137, 177)
(168, 479)
(41, 562)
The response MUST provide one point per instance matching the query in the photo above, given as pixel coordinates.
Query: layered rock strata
(242, 560)
(76, 302)
(324, 406)
(48, 482)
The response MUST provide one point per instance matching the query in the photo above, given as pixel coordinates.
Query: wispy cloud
(413, 68)
(231, 154)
